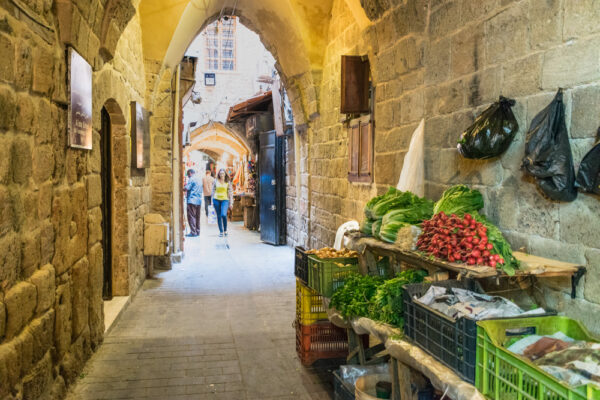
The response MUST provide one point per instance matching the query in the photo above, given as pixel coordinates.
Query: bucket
(366, 386)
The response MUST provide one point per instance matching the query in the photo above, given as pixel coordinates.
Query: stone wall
(51, 314)
(446, 61)
(160, 95)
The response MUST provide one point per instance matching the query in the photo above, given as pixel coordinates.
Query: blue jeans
(221, 207)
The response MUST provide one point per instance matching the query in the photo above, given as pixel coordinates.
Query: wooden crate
(250, 218)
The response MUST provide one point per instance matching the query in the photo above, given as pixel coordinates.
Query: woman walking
(222, 194)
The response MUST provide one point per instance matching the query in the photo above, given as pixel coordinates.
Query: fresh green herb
(372, 297)
(501, 246)
(354, 298)
(388, 303)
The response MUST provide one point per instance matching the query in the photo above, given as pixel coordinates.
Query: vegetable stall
(416, 283)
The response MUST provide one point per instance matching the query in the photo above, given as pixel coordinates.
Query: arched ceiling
(295, 31)
(215, 138)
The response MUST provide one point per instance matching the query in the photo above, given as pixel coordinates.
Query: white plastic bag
(339, 236)
(212, 215)
(412, 177)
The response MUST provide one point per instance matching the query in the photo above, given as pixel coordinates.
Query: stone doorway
(114, 183)
(106, 177)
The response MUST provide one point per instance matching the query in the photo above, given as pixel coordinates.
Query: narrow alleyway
(217, 326)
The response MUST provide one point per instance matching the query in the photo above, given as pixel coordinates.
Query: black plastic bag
(548, 155)
(491, 133)
(588, 177)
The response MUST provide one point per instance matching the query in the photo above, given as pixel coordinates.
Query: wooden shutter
(360, 150)
(355, 85)
(353, 150)
(366, 149)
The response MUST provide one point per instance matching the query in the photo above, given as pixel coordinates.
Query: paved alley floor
(217, 326)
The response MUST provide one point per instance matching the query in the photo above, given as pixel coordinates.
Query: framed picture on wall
(140, 136)
(80, 104)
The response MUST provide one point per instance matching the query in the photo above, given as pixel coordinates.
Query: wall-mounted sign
(80, 104)
(140, 136)
(210, 79)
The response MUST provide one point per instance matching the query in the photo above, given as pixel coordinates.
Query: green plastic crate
(502, 375)
(325, 275)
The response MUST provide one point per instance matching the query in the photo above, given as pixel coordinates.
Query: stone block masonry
(446, 61)
(51, 257)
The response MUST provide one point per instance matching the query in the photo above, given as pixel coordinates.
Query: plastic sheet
(456, 303)
(412, 177)
(491, 133)
(548, 155)
(442, 378)
(350, 373)
(341, 232)
(588, 177)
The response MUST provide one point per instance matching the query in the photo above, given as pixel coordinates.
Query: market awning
(251, 106)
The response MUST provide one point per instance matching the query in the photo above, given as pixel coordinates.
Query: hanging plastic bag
(491, 133)
(588, 177)
(548, 155)
(412, 177)
(212, 215)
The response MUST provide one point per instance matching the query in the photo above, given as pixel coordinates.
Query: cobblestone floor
(217, 326)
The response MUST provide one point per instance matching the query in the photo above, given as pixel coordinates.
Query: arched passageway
(214, 137)
(443, 62)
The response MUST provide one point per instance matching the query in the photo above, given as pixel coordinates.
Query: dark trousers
(207, 201)
(221, 207)
(194, 211)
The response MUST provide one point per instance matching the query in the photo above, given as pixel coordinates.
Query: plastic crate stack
(316, 337)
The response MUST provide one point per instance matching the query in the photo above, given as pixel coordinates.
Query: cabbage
(392, 191)
(367, 226)
(389, 232)
(376, 228)
(459, 200)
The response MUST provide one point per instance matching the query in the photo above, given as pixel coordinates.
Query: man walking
(194, 192)
(207, 184)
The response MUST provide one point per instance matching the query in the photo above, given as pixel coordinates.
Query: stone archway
(217, 138)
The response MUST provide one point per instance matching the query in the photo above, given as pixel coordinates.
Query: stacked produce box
(316, 337)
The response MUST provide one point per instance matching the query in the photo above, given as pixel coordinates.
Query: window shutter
(355, 85)
(366, 149)
(353, 150)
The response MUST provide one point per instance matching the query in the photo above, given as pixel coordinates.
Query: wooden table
(370, 249)
(406, 358)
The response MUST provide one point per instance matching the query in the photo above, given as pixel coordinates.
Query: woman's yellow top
(221, 190)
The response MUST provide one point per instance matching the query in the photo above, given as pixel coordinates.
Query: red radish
(489, 246)
(480, 260)
(492, 264)
(471, 261)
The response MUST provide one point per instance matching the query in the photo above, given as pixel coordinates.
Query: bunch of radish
(458, 239)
